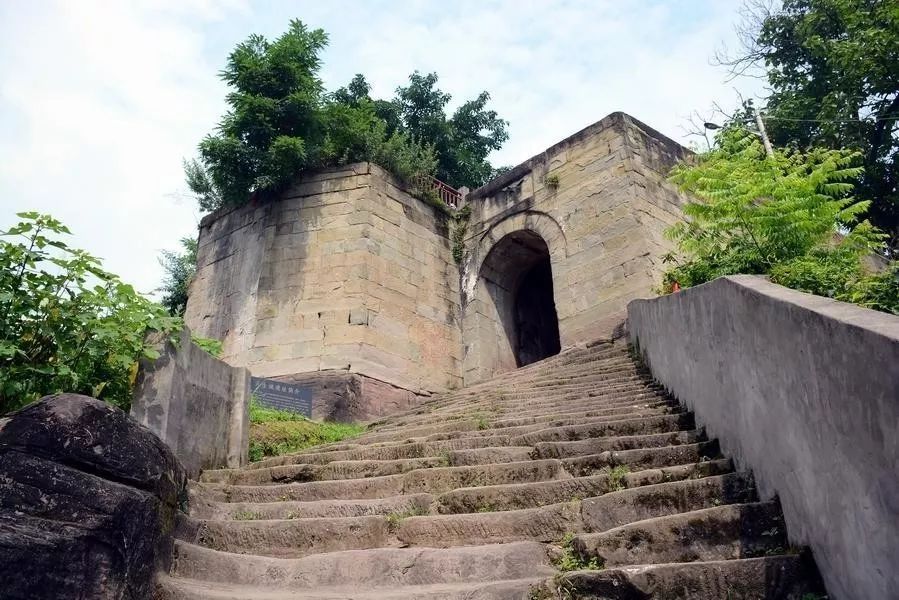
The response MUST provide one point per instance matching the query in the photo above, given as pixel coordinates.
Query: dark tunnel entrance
(535, 315)
(518, 277)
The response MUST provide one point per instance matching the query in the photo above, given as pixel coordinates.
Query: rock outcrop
(88, 502)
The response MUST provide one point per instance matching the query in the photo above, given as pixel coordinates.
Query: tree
(66, 324)
(179, 270)
(282, 123)
(463, 141)
(832, 69)
(791, 215)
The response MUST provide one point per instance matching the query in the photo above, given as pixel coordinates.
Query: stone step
(498, 454)
(718, 533)
(403, 504)
(434, 481)
(536, 406)
(383, 567)
(341, 469)
(590, 412)
(787, 577)
(544, 524)
(553, 521)
(628, 442)
(638, 426)
(645, 502)
(486, 425)
(517, 496)
(488, 429)
(170, 588)
(293, 538)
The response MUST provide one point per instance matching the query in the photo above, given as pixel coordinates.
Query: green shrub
(790, 215)
(66, 324)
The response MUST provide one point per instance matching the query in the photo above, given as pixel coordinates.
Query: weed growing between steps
(569, 560)
(276, 432)
(394, 519)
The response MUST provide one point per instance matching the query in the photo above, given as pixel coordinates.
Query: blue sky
(101, 101)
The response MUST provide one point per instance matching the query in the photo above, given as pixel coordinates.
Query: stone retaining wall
(804, 391)
(198, 405)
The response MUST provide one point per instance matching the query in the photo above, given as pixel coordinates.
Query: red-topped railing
(447, 194)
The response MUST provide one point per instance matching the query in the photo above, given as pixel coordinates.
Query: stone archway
(510, 318)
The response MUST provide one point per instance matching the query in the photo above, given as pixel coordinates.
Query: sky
(101, 101)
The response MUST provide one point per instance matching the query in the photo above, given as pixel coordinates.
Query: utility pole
(761, 125)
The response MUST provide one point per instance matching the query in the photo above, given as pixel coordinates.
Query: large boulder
(88, 502)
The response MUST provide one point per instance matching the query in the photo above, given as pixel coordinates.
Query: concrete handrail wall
(804, 391)
(197, 404)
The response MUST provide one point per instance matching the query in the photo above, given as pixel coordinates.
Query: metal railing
(446, 193)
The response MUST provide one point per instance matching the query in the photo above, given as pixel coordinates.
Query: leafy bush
(790, 215)
(65, 323)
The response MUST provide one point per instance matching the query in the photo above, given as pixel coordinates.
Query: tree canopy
(282, 122)
(833, 70)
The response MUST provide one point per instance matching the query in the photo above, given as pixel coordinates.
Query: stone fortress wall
(347, 283)
(600, 202)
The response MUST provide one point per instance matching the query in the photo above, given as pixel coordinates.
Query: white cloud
(100, 101)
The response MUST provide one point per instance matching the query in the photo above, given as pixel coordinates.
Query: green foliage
(179, 270)
(247, 515)
(281, 123)
(460, 229)
(618, 478)
(791, 215)
(570, 560)
(276, 432)
(395, 519)
(462, 141)
(551, 181)
(66, 324)
(831, 69)
(210, 345)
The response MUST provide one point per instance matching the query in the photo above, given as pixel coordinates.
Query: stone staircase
(574, 477)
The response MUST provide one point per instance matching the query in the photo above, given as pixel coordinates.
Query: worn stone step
(660, 405)
(638, 426)
(292, 538)
(553, 521)
(542, 406)
(403, 504)
(171, 588)
(517, 496)
(645, 502)
(718, 533)
(387, 451)
(628, 442)
(436, 480)
(382, 567)
(344, 469)
(787, 577)
(545, 524)
(640, 458)
(486, 426)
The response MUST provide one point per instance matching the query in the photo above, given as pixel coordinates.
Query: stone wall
(345, 274)
(198, 405)
(601, 216)
(804, 391)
